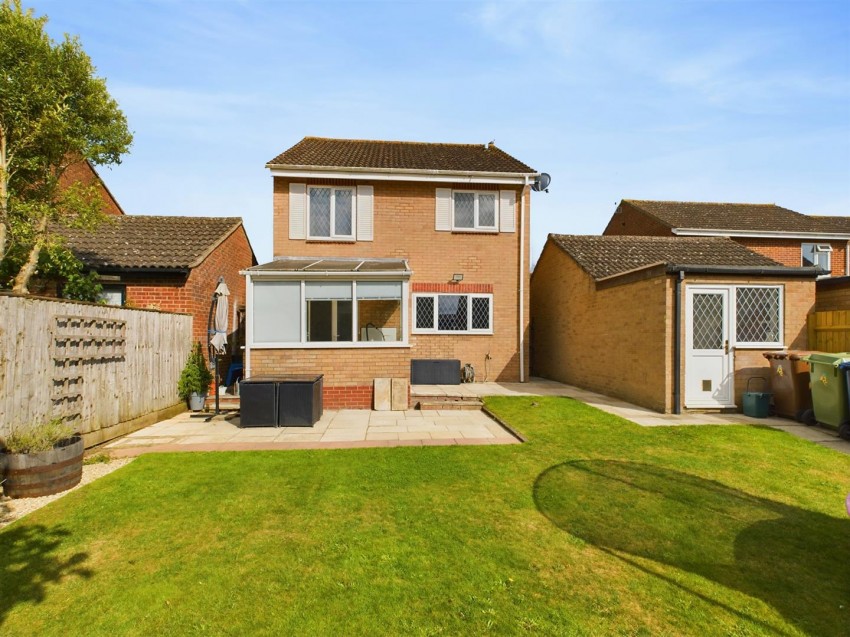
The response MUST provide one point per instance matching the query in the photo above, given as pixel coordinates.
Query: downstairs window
(453, 313)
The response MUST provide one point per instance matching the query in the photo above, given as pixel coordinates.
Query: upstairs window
(331, 212)
(474, 210)
(454, 313)
(817, 254)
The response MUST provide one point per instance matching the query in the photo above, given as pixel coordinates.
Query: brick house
(169, 263)
(788, 237)
(388, 253)
(83, 171)
(669, 323)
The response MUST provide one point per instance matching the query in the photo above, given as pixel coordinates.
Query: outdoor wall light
(457, 278)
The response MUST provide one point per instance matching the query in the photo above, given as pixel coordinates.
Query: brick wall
(629, 220)
(619, 341)
(610, 341)
(231, 256)
(83, 172)
(404, 228)
(789, 252)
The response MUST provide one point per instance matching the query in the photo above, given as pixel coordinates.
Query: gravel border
(14, 509)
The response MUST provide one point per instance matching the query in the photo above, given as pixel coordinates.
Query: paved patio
(336, 429)
(362, 428)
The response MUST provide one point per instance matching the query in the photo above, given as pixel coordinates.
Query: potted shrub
(195, 379)
(41, 460)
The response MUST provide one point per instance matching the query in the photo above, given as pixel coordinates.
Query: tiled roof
(738, 216)
(360, 153)
(603, 256)
(136, 241)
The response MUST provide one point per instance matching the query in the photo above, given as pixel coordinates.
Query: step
(446, 403)
(227, 401)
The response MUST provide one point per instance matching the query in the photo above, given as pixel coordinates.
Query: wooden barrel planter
(29, 475)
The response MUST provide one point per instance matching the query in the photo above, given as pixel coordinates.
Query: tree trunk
(28, 268)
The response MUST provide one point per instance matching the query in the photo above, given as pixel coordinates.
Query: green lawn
(595, 526)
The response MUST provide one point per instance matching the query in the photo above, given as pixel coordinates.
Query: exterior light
(457, 278)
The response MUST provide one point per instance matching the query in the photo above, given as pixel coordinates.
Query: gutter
(398, 171)
(759, 234)
(398, 174)
(765, 270)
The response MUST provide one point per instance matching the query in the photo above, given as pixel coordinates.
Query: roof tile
(742, 217)
(137, 241)
(359, 153)
(604, 256)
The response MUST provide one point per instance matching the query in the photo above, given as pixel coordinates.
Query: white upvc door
(709, 358)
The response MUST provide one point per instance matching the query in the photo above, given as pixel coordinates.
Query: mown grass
(595, 526)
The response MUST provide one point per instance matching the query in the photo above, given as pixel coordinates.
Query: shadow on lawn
(29, 563)
(793, 559)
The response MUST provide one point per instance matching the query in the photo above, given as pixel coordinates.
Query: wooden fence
(829, 331)
(108, 369)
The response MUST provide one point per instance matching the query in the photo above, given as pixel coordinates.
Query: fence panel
(829, 331)
(97, 365)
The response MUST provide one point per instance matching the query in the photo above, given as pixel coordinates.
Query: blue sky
(705, 101)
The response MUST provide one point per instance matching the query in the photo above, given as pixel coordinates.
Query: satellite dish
(542, 183)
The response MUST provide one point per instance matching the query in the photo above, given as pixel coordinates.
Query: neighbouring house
(169, 263)
(83, 171)
(388, 255)
(788, 237)
(668, 323)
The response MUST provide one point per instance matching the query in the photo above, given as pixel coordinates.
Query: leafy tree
(54, 112)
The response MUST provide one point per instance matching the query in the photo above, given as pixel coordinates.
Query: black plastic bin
(281, 401)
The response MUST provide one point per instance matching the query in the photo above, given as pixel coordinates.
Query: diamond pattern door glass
(342, 213)
(708, 321)
(464, 210)
(451, 313)
(480, 313)
(320, 212)
(757, 315)
(425, 312)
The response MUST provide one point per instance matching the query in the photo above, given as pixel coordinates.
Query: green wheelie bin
(829, 388)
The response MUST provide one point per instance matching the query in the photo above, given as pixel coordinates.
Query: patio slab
(336, 429)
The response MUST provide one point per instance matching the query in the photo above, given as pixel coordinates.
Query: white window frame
(435, 323)
(332, 235)
(819, 249)
(733, 308)
(303, 343)
(476, 226)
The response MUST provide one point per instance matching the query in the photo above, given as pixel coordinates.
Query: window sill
(492, 231)
(758, 346)
(452, 333)
(326, 240)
